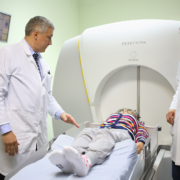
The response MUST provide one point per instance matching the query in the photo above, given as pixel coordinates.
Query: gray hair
(134, 112)
(38, 23)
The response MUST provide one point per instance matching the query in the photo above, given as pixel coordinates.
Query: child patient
(93, 145)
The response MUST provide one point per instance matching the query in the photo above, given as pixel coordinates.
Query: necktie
(35, 55)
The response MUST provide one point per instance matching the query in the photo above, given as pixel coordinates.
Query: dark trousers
(175, 171)
(2, 177)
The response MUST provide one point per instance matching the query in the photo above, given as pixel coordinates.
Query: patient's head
(129, 111)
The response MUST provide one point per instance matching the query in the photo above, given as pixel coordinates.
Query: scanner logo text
(133, 43)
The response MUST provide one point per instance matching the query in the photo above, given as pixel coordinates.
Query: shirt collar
(31, 50)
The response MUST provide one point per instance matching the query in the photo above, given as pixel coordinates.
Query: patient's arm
(141, 137)
(141, 134)
(140, 146)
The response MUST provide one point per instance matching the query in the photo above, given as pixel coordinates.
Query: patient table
(122, 164)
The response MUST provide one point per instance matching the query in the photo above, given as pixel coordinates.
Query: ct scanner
(129, 64)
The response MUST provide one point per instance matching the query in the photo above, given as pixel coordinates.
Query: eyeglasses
(133, 112)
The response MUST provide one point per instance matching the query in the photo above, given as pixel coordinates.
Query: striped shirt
(135, 128)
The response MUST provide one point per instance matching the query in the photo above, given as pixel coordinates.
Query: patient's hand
(140, 146)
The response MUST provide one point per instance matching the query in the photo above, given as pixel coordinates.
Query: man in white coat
(173, 117)
(25, 96)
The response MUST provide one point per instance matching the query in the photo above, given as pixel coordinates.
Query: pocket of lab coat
(174, 125)
(172, 130)
(25, 127)
(178, 74)
(16, 119)
(47, 83)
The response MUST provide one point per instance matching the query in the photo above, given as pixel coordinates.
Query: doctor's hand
(68, 119)
(10, 143)
(170, 116)
(140, 146)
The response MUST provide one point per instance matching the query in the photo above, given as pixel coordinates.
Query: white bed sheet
(118, 165)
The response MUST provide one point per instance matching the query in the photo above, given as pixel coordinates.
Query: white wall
(98, 12)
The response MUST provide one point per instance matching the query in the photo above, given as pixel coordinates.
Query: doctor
(26, 96)
(173, 117)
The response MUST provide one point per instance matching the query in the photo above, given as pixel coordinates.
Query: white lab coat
(175, 129)
(25, 101)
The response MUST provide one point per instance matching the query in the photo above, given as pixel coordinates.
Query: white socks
(58, 159)
(81, 163)
(71, 161)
